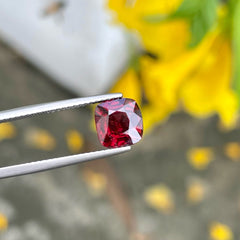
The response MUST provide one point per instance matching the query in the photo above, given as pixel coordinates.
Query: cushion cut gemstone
(118, 122)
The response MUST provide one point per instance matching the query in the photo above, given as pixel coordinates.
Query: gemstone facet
(118, 123)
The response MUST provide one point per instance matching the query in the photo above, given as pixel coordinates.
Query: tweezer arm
(39, 166)
(48, 164)
(23, 112)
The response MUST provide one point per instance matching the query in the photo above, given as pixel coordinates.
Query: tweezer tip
(115, 95)
(114, 151)
(126, 148)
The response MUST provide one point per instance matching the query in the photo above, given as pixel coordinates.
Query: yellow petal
(129, 86)
(153, 115)
(131, 12)
(195, 192)
(148, 7)
(160, 39)
(74, 140)
(125, 12)
(157, 38)
(3, 222)
(96, 182)
(232, 150)
(7, 131)
(165, 78)
(162, 80)
(208, 89)
(219, 231)
(227, 108)
(160, 198)
(200, 158)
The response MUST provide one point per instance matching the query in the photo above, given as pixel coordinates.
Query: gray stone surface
(57, 205)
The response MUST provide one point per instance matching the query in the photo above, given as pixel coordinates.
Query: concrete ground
(59, 204)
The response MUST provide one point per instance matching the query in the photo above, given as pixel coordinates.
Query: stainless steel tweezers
(28, 111)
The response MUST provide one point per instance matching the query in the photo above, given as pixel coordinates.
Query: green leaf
(198, 30)
(188, 8)
(236, 46)
(209, 11)
(203, 21)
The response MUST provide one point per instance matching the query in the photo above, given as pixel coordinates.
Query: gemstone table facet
(118, 123)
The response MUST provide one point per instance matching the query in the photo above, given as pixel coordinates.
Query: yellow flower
(160, 198)
(162, 81)
(3, 222)
(219, 231)
(74, 140)
(199, 79)
(208, 89)
(200, 158)
(7, 131)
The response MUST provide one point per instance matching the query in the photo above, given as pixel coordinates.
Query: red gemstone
(118, 122)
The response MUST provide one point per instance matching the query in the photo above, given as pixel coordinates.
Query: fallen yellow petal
(232, 150)
(199, 158)
(75, 141)
(7, 131)
(40, 139)
(195, 192)
(160, 198)
(219, 231)
(96, 182)
(3, 222)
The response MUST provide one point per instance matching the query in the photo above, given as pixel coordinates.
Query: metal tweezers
(28, 111)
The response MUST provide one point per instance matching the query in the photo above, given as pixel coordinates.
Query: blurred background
(179, 59)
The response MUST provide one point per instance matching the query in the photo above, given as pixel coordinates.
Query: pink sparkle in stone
(118, 123)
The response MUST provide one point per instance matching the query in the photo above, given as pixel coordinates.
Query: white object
(78, 48)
